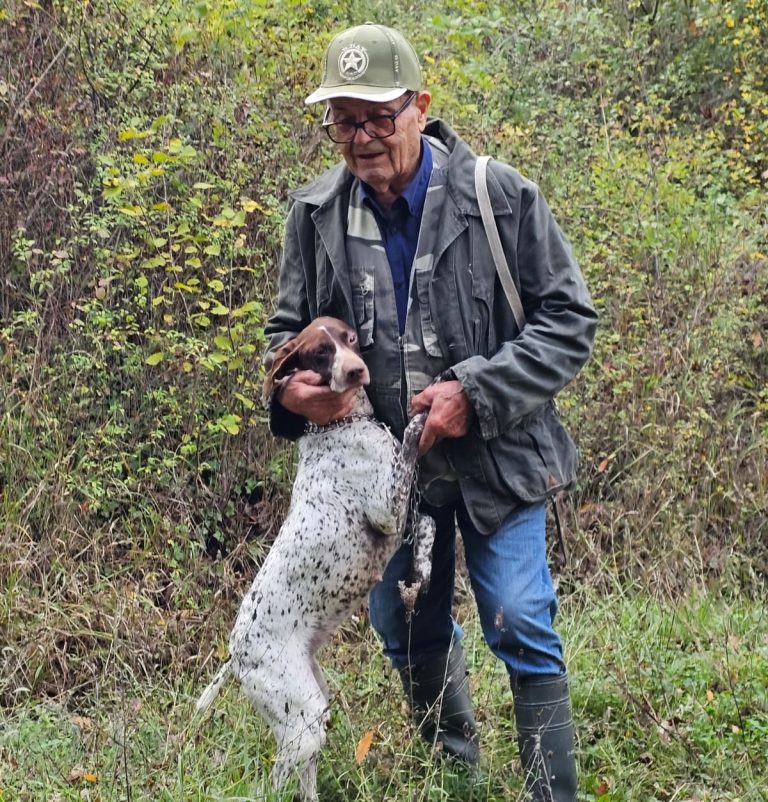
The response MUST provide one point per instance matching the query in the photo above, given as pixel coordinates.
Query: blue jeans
(512, 587)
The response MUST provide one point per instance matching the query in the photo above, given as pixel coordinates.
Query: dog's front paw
(408, 594)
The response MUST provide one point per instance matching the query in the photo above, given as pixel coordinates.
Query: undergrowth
(670, 701)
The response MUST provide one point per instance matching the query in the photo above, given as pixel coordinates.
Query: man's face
(387, 165)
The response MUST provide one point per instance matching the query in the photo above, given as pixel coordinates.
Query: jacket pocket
(536, 458)
(483, 330)
(428, 330)
(364, 307)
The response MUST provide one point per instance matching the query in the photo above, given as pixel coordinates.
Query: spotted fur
(347, 517)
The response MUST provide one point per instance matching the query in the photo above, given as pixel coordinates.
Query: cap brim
(377, 94)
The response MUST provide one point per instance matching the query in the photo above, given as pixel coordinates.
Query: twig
(9, 128)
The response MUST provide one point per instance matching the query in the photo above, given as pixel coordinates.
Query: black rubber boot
(545, 736)
(438, 693)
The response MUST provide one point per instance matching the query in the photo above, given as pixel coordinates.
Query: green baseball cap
(368, 62)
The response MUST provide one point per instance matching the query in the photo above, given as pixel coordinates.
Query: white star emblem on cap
(353, 61)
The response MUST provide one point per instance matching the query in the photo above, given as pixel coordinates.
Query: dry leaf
(710, 695)
(83, 723)
(363, 746)
(603, 465)
(79, 774)
(603, 788)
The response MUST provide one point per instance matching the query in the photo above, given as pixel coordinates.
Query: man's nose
(363, 134)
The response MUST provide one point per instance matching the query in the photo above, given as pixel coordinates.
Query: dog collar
(316, 428)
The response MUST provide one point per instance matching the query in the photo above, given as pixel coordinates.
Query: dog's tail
(212, 691)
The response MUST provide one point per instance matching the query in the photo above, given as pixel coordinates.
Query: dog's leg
(300, 738)
(404, 469)
(387, 505)
(423, 541)
(284, 689)
(423, 527)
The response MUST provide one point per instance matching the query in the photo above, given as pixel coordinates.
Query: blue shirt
(399, 226)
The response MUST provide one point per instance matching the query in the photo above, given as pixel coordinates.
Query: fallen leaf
(363, 746)
(603, 465)
(83, 723)
(79, 774)
(710, 695)
(603, 788)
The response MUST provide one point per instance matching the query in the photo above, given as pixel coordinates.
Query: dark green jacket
(517, 451)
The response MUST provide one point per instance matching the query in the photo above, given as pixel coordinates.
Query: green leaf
(180, 285)
(214, 249)
(230, 423)
(246, 308)
(156, 358)
(246, 402)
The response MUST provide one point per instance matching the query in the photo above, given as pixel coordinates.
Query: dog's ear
(285, 362)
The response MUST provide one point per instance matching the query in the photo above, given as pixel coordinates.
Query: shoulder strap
(494, 241)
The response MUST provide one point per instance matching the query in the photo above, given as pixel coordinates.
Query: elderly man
(391, 240)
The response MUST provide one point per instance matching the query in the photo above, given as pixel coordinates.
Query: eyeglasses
(380, 126)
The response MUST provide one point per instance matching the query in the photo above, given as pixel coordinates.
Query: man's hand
(450, 413)
(305, 394)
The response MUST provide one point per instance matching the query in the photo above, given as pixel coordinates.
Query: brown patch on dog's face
(327, 346)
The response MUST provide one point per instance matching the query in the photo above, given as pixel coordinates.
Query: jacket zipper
(403, 379)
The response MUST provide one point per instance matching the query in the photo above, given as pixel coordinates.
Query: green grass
(670, 700)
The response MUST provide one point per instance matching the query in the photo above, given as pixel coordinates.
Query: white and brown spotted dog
(347, 517)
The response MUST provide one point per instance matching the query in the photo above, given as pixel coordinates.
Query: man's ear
(284, 364)
(422, 102)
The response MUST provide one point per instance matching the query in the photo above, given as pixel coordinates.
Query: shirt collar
(415, 193)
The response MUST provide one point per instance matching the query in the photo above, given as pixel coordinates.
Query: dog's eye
(324, 349)
(352, 338)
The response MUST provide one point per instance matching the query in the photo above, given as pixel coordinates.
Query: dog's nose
(355, 375)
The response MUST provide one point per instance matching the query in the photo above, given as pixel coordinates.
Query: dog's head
(329, 347)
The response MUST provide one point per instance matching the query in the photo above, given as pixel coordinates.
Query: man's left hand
(450, 413)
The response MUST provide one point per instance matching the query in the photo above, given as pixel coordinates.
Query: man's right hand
(305, 394)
